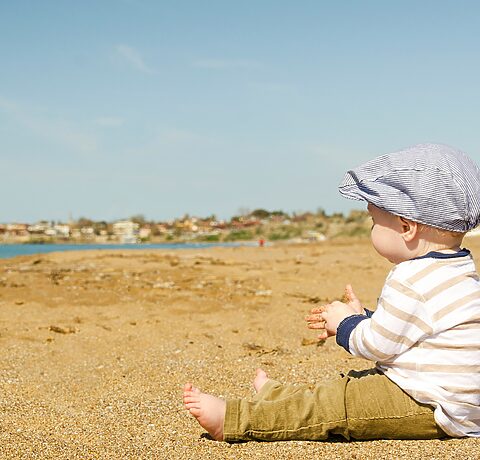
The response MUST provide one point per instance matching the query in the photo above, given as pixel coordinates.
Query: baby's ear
(409, 229)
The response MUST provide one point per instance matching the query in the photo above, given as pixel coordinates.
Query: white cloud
(60, 132)
(225, 64)
(133, 58)
(109, 121)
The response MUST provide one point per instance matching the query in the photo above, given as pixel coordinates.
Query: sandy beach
(96, 346)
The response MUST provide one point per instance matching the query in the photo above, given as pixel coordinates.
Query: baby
(423, 336)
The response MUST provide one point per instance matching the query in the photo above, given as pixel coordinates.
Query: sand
(95, 348)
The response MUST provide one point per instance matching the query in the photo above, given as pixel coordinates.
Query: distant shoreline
(10, 250)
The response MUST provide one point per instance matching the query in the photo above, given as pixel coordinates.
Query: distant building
(145, 233)
(40, 228)
(126, 231)
(162, 229)
(46, 228)
(220, 224)
(62, 230)
(87, 231)
(17, 229)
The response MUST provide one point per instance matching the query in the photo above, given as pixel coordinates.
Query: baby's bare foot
(207, 409)
(260, 379)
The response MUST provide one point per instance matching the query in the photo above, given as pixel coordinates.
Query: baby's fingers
(318, 325)
(349, 294)
(352, 299)
(320, 309)
(313, 318)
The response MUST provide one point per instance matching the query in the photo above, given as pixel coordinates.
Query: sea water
(13, 250)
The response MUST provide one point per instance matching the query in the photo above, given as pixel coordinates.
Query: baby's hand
(315, 319)
(351, 299)
(325, 317)
(333, 315)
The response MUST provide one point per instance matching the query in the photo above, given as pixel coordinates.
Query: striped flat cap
(432, 184)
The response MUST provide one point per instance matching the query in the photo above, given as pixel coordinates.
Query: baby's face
(386, 234)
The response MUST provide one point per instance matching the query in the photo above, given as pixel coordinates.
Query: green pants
(360, 405)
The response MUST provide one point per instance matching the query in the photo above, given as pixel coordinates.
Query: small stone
(62, 330)
(165, 285)
(264, 293)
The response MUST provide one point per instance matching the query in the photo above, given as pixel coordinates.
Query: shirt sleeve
(345, 329)
(398, 323)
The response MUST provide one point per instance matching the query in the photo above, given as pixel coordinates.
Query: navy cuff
(368, 313)
(346, 327)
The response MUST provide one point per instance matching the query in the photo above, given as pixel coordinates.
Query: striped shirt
(425, 337)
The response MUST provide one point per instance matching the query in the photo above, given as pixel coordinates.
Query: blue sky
(115, 108)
